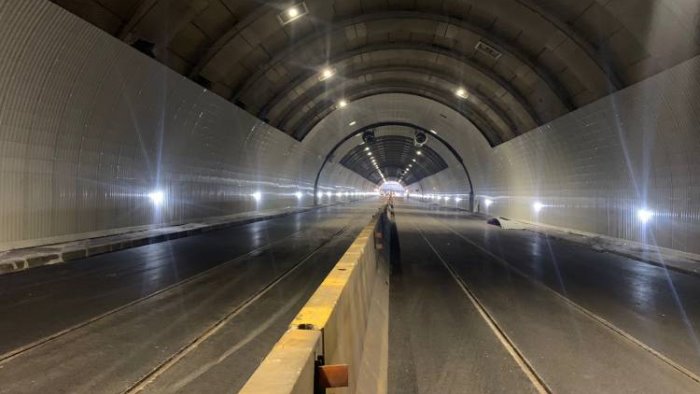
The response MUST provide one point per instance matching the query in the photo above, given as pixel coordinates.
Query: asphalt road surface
(481, 309)
(473, 309)
(195, 314)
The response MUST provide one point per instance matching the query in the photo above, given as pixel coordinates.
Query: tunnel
(350, 196)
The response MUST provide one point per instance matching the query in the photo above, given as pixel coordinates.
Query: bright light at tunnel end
(157, 197)
(644, 215)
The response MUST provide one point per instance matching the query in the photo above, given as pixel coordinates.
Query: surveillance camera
(420, 138)
(368, 136)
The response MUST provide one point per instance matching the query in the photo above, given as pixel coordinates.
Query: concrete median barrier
(349, 314)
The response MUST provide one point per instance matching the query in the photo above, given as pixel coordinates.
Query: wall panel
(89, 126)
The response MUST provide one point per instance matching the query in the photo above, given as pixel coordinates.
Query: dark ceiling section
(393, 155)
(516, 64)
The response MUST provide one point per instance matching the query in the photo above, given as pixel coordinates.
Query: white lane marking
(149, 378)
(537, 382)
(680, 368)
(12, 354)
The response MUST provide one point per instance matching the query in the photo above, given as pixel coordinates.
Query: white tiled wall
(593, 169)
(88, 127)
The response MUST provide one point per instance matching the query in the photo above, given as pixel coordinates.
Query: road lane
(571, 351)
(40, 302)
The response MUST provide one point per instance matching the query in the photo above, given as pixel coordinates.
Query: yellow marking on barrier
(286, 368)
(289, 367)
(322, 303)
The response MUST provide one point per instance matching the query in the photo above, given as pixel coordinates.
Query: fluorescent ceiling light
(326, 73)
(293, 13)
(461, 93)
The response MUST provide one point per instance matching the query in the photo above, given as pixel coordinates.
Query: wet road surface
(475, 308)
(578, 321)
(210, 305)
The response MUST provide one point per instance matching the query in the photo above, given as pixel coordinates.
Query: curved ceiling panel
(393, 158)
(516, 63)
(399, 108)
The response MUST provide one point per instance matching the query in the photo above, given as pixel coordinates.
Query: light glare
(157, 197)
(327, 73)
(488, 202)
(537, 206)
(644, 215)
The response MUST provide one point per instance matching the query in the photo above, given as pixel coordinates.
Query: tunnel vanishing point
(350, 196)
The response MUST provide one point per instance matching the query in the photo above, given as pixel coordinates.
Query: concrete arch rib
(360, 130)
(521, 107)
(486, 128)
(543, 73)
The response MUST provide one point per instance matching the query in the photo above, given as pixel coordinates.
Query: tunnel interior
(220, 108)
(393, 158)
(292, 118)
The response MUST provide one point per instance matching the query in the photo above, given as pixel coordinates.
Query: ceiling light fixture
(326, 73)
(293, 13)
(352, 123)
(461, 93)
(342, 103)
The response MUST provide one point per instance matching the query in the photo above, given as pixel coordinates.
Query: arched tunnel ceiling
(521, 63)
(393, 158)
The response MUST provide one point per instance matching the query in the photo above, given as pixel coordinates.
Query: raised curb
(18, 260)
(674, 260)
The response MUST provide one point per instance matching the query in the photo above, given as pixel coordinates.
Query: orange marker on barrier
(330, 376)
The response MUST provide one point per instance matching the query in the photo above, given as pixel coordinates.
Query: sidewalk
(24, 258)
